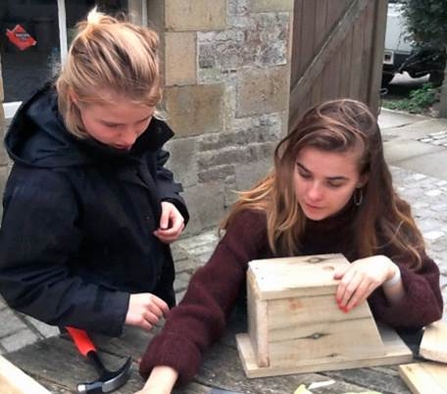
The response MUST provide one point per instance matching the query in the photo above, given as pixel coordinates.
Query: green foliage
(426, 21)
(420, 100)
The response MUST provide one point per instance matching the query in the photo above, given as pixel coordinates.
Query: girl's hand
(172, 223)
(360, 278)
(145, 310)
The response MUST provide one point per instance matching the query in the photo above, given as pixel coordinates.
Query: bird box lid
(295, 276)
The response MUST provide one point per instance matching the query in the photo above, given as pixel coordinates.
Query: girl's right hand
(145, 310)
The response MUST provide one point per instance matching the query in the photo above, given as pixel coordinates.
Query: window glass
(29, 39)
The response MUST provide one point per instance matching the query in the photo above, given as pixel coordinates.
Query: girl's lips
(309, 206)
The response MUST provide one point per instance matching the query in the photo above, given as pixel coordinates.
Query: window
(51, 24)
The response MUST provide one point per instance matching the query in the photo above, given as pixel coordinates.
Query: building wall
(227, 75)
(226, 65)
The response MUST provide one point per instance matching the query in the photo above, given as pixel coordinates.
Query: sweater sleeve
(200, 319)
(422, 303)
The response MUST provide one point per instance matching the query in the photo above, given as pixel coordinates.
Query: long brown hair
(382, 220)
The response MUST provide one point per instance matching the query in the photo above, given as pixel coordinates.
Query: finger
(164, 218)
(341, 288)
(161, 305)
(144, 324)
(151, 318)
(341, 271)
(176, 227)
(350, 288)
(163, 238)
(168, 235)
(359, 294)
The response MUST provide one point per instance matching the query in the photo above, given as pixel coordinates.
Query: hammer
(108, 380)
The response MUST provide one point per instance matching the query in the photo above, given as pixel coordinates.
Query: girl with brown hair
(330, 192)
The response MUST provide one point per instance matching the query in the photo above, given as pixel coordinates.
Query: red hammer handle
(81, 340)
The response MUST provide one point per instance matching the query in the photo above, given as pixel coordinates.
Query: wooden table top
(56, 364)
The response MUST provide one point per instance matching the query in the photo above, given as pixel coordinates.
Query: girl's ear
(72, 96)
(363, 181)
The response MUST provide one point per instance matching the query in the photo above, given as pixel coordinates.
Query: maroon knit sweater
(200, 319)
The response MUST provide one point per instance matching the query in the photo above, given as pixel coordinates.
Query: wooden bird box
(295, 325)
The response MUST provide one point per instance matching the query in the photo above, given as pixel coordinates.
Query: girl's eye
(303, 174)
(111, 125)
(334, 185)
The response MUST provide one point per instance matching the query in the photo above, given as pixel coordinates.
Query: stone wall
(227, 73)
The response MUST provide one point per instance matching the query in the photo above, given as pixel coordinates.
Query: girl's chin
(314, 213)
(315, 218)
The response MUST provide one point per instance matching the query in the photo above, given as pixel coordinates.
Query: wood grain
(434, 342)
(423, 378)
(396, 352)
(14, 381)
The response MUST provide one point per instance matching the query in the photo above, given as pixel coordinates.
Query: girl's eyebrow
(330, 178)
(119, 124)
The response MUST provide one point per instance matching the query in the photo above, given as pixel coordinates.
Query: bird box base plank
(434, 342)
(427, 377)
(14, 381)
(396, 352)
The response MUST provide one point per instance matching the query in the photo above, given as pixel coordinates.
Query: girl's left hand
(360, 278)
(172, 223)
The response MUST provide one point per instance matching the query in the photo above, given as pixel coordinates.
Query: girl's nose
(128, 137)
(315, 192)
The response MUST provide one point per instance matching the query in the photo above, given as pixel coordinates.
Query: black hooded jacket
(77, 230)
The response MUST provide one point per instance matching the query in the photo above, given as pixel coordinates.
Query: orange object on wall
(20, 38)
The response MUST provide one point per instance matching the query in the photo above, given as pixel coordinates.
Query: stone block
(45, 330)
(217, 173)
(180, 58)
(184, 15)
(195, 109)
(10, 323)
(247, 175)
(183, 160)
(259, 41)
(272, 5)
(18, 340)
(263, 91)
(206, 206)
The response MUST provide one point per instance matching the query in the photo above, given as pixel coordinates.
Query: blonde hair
(383, 220)
(108, 54)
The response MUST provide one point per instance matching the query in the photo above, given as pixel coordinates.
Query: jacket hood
(38, 137)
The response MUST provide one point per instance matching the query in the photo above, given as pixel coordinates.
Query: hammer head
(108, 380)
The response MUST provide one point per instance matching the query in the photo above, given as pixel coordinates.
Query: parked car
(402, 55)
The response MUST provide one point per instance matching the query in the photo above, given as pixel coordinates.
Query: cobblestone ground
(427, 195)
